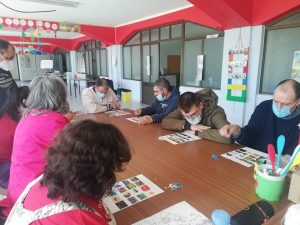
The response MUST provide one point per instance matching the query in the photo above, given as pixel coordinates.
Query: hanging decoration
(237, 72)
(28, 25)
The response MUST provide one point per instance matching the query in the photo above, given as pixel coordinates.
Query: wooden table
(208, 184)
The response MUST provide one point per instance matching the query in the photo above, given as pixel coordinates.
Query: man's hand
(116, 105)
(137, 112)
(145, 120)
(229, 130)
(199, 127)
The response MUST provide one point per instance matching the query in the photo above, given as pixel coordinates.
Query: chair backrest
(110, 84)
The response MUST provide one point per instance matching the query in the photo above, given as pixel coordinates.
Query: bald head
(287, 93)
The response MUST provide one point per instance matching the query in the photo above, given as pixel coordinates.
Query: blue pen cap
(220, 217)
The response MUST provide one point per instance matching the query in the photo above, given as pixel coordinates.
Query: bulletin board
(237, 72)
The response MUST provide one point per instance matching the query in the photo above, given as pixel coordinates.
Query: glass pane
(146, 63)
(191, 50)
(289, 21)
(176, 31)
(81, 48)
(170, 52)
(213, 57)
(279, 55)
(94, 62)
(126, 63)
(91, 62)
(135, 40)
(154, 62)
(68, 62)
(154, 34)
(136, 62)
(194, 30)
(86, 61)
(164, 33)
(103, 62)
(98, 44)
(98, 62)
(145, 36)
(93, 44)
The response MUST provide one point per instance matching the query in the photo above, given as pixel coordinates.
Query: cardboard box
(294, 193)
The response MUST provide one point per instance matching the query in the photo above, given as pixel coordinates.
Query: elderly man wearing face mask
(166, 101)
(99, 98)
(198, 113)
(7, 54)
(271, 118)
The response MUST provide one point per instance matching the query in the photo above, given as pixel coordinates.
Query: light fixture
(56, 2)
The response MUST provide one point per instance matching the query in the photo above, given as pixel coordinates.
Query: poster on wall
(237, 74)
(296, 66)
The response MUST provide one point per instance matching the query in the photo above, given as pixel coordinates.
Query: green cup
(268, 187)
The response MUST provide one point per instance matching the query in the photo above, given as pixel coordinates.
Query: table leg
(75, 88)
(70, 85)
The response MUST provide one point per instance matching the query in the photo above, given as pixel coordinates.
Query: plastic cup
(268, 186)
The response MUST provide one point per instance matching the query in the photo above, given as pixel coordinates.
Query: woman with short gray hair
(44, 116)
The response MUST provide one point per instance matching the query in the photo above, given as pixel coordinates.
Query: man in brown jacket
(198, 112)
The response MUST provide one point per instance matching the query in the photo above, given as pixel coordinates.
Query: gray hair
(47, 93)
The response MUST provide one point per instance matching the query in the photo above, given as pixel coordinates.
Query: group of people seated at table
(199, 112)
(58, 172)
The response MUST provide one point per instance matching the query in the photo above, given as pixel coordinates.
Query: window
(173, 54)
(95, 59)
(281, 42)
(196, 43)
(62, 61)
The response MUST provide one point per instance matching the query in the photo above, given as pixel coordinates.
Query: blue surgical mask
(161, 98)
(194, 121)
(7, 65)
(281, 112)
(100, 94)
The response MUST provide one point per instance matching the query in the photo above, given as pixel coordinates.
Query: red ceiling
(220, 14)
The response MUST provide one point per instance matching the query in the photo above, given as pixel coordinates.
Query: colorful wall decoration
(237, 71)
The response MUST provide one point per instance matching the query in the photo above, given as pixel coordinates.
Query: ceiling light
(56, 2)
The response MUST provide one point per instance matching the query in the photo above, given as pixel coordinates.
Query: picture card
(244, 156)
(179, 138)
(117, 113)
(181, 213)
(133, 119)
(130, 191)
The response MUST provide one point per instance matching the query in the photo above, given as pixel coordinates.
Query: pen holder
(267, 185)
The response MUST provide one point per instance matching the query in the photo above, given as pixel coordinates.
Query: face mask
(160, 98)
(281, 112)
(194, 121)
(7, 65)
(100, 95)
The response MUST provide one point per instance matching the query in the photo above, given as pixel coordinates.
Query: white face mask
(7, 65)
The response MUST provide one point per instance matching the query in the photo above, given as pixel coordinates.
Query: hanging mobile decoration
(237, 72)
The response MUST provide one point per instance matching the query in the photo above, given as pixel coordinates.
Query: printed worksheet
(133, 119)
(179, 138)
(117, 113)
(131, 191)
(180, 214)
(245, 156)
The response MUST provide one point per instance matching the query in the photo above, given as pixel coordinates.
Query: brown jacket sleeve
(216, 121)
(174, 121)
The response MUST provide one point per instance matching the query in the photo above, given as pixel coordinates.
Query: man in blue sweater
(166, 101)
(271, 118)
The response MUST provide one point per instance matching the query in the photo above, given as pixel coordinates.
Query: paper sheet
(131, 191)
(179, 138)
(133, 119)
(180, 214)
(117, 113)
(244, 156)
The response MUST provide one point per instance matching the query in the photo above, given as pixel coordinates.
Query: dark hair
(4, 46)
(83, 159)
(162, 83)
(23, 94)
(101, 82)
(295, 85)
(187, 100)
(11, 104)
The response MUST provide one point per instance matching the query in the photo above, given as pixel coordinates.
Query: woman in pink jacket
(44, 116)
